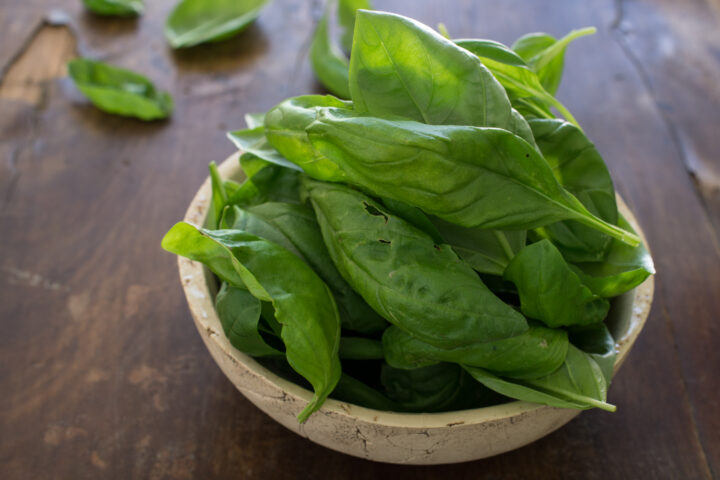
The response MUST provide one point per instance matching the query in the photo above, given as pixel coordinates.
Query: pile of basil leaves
(438, 241)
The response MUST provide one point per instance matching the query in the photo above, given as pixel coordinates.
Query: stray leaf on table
(119, 91)
(120, 8)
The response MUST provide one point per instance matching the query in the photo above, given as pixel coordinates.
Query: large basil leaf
(579, 383)
(121, 8)
(515, 75)
(119, 91)
(535, 353)
(285, 128)
(303, 304)
(549, 289)
(448, 86)
(239, 313)
(546, 55)
(295, 228)
(193, 22)
(622, 268)
(329, 63)
(581, 170)
(414, 283)
(471, 176)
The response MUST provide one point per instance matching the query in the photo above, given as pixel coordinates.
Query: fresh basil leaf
(516, 76)
(621, 269)
(329, 63)
(359, 348)
(546, 55)
(303, 304)
(265, 182)
(193, 22)
(414, 216)
(578, 384)
(597, 341)
(253, 120)
(536, 353)
(550, 291)
(354, 391)
(119, 91)
(581, 170)
(404, 276)
(427, 389)
(471, 176)
(121, 8)
(449, 85)
(219, 198)
(239, 313)
(347, 11)
(285, 127)
(254, 141)
(295, 228)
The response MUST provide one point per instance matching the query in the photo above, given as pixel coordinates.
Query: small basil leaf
(254, 120)
(303, 304)
(121, 8)
(354, 391)
(546, 55)
(597, 341)
(404, 276)
(119, 91)
(621, 269)
(239, 313)
(193, 22)
(254, 141)
(549, 289)
(347, 11)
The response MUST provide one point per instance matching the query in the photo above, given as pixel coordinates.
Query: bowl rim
(200, 301)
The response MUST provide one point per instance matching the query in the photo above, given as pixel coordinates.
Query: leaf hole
(375, 212)
(387, 242)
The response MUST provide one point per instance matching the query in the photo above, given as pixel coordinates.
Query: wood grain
(101, 371)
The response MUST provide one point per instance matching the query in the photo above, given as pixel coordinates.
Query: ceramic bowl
(404, 438)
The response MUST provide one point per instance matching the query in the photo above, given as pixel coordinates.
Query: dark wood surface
(102, 374)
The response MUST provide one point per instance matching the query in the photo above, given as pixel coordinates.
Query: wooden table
(102, 374)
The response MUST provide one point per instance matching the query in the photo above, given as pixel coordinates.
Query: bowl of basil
(435, 271)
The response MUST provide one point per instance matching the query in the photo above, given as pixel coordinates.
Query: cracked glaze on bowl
(409, 438)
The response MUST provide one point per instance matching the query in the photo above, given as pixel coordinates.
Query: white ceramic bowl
(406, 438)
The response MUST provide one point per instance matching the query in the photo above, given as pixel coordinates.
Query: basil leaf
(597, 341)
(265, 182)
(358, 348)
(295, 228)
(347, 11)
(253, 120)
(285, 127)
(471, 176)
(119, 91)
(193, 22)
(121, 8)
(303, 304)
(427, 389)
(239, 313)
(535, 353)
(621, 269)
(329, 64)
(549, 289)
(581, 170)
(356, 392)
(404, 276)
(254, 141)
(518, 78)
(546, 55)
(578, 383)
(449, 85)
